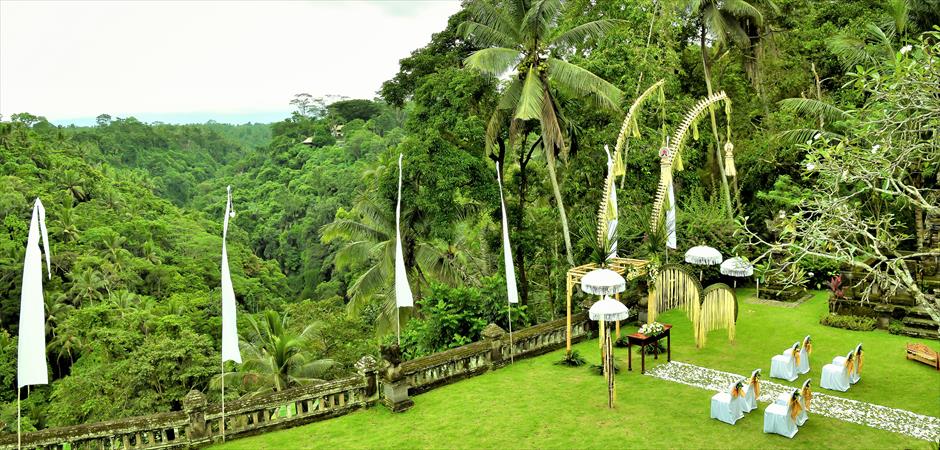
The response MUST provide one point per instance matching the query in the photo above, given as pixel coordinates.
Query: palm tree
(274, 357)
(368, 237)
(66, 225)
(728, 23)
(87, 285)
(525, 36)
(73, 183)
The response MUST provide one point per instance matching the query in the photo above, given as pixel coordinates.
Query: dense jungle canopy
(135, 209)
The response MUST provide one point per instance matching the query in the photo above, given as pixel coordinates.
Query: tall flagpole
(403, 296)
(512, 296)
(19, 434)
(223, 402)
(230, 350)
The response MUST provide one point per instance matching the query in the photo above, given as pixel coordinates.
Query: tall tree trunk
(550, 163)
(706, 66)
(519, 252)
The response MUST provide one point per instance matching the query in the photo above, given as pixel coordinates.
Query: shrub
(896, 327)
(574, 359)
(857, 323)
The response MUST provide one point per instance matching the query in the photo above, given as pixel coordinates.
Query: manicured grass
(536, 404)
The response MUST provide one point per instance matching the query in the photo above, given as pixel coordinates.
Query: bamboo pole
(223, 402)
(568, 323)
(509, 313)
(19, 433)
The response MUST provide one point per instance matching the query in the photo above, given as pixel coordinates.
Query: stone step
(918, 312)
(913, 322)
(921, 333)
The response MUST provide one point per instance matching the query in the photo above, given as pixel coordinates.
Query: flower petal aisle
(876, 416)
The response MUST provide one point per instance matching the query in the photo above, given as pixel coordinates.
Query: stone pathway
(863, 413)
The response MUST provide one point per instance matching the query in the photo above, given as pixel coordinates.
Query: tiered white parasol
(703, 255)
(606, 282)
(608, 310)
(603, 282)
(737, 267)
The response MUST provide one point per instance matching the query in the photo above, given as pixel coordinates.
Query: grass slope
(536, 404)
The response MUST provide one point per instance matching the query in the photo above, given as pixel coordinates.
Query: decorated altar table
(643, 341)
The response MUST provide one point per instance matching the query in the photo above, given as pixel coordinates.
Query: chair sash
(807, 396)
(795, 408)
(737, 392)
(850, 365)
(796, 357)
(755, 385)
(861, 360)
(808, 345)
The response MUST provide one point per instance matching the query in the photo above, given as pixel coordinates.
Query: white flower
(817, 136)
(810, 142)
(906, 49)
(810, 166)
(875, 148)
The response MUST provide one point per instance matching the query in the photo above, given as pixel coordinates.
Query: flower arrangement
(652, 329)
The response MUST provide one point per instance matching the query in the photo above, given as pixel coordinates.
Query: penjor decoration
(230, 350)
(403, 297)
(512, 294)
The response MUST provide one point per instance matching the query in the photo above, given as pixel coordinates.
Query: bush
(896, 327)
(573, 359)
(857, 323)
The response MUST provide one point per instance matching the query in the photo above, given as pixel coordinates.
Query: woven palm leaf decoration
(630, 126)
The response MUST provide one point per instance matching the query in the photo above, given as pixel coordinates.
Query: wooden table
(643, 340)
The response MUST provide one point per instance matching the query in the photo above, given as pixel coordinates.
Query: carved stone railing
(429, 372)
(167, 430)
(200, 424)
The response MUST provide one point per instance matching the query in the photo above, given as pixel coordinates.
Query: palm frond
(540, 18)
(531, 98)
(486, 14)
(352, 253)
(590, 30)
(350, 229)
(813, 107)
(366, 284)
(437, 264)
(506, 105)
(485, 36)
(493, 60)
(850, 50)
(584, 83)
(743, 10)
(552, 135)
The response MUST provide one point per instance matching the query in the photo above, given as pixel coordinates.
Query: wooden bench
(923, 353)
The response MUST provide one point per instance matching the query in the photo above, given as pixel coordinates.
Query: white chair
(728, 406)
(784, 366)
(751, 391)
(835, 376)
(777, 417)
(805, 350)
(784, 399)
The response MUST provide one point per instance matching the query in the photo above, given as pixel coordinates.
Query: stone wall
(200, 424)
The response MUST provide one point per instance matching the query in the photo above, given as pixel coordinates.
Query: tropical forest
(577, 179)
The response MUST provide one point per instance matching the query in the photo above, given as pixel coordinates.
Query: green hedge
(857, 323)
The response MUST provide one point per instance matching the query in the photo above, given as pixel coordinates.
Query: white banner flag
(671, 220)
(403, 297)
(31, 349)
(230, 350)
(511, 292)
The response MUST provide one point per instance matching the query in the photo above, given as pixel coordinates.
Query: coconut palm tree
(727, 23)
(65, 225)
(368, 237)
(87, 285)
(525, 36)
(273, 357)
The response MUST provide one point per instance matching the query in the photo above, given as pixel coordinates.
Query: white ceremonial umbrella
(703, 255)
(608, 309)
(603, 282)
(737, 267)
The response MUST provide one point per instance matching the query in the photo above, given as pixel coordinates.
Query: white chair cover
(750, 397)
(784, 366)
(835, 376)
(777, 420)
(804, 362)
(725, 408)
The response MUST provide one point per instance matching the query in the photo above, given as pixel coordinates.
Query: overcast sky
(189, 61)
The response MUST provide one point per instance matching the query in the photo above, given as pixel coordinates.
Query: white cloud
(79, 59)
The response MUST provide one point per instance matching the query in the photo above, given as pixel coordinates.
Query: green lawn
(536, 404)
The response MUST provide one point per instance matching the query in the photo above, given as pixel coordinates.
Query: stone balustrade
(200, 423)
